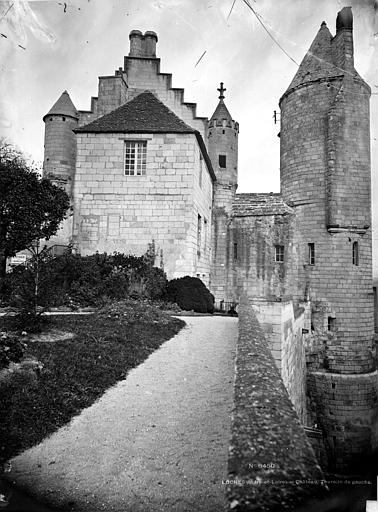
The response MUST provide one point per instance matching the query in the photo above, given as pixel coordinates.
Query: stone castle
(141, 166)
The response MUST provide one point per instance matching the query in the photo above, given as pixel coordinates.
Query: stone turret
(60, 154)
(223, 151)
(325, 176)
(60, 142)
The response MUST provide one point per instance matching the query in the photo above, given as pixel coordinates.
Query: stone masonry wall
(282, 326)
(271, 464)
(145, 74)
(255, 270)
(114, 212)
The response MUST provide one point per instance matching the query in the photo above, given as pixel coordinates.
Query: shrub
(134, 311)
(92, 280)
(190, 294)
(12, 348)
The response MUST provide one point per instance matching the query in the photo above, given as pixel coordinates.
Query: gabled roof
(221, 112)
(254, 205)
(63, 107)
(143, 114)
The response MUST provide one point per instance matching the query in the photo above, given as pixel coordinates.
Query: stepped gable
(143, 114)
(63, 107)
(254, 205)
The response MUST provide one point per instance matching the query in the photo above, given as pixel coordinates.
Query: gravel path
(157, 441)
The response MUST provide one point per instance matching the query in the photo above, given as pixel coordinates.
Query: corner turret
(60, 154)
(222, 139)
(60, 142)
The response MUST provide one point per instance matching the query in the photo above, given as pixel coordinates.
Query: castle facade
(141, 166)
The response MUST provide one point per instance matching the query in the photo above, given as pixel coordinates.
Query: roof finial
(221, 91)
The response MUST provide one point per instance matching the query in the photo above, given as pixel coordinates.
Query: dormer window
(135, 157)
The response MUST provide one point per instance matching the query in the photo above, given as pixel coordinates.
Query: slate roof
(221, 112)
(254, 205)
(63, 107)
(143, 114)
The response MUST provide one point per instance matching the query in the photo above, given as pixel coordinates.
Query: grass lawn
(76, 372)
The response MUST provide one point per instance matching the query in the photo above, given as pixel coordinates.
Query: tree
(31, 207)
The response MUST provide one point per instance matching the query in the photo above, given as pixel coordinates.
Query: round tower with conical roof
(60, 153)
(325, 177)
(60, 141)
(222, 139)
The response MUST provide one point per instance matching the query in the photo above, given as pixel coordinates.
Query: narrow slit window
(135, 157)
(311, 254)
(279, 253)
(199, 234)
(205, 234)
(222, 161)
(355, 255)
(235, 251)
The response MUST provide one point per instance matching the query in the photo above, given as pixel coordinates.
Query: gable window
(279, 253)
(311, 254)
(222, 161)
(135, 157)
(355, 253)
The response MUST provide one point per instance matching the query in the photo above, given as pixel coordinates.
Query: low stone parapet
(272, 466)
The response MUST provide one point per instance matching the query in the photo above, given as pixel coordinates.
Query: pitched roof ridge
(144, 113)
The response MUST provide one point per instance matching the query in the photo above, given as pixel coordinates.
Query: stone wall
(283, 325)
(114, 212)
(272, 466)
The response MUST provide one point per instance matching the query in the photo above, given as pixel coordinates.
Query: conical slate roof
(63, 107)
(143, 114)
(318, 61)
(221, 112)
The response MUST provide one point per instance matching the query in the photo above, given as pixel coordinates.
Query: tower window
(222, 161)
(199, 234)
(331, 323)
(355, 253)
(223, 131)
(200, 170)
(311, 254)
(235, 251)
(135, 157)
(279, 253)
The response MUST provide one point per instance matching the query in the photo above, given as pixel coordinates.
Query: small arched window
(355, 255)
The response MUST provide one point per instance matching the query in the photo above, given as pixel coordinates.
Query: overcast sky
(50, 47)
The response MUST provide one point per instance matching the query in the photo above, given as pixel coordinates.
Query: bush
(12, 348)
(133, 311)
(190, 294)
(73, 280)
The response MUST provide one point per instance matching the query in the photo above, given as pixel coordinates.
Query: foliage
(74, 372)
(31, 208)
(73, 280)
(190, 293)
(132, 311)
(12, 348)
